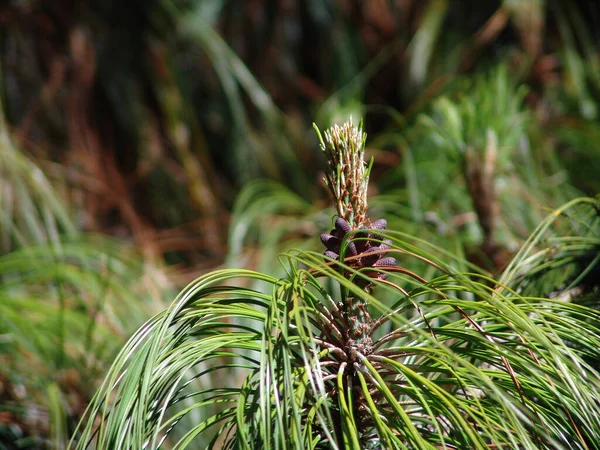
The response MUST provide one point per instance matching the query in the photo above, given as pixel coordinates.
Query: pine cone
(361, 243)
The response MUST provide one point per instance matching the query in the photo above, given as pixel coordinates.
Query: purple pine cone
(362, 242)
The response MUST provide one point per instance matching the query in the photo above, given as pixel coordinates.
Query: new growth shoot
(348, 175)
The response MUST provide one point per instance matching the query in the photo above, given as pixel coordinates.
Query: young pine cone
(361, 243)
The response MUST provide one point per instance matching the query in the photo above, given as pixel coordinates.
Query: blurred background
(143, 143)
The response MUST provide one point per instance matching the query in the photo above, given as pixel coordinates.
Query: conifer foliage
(353, 350)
